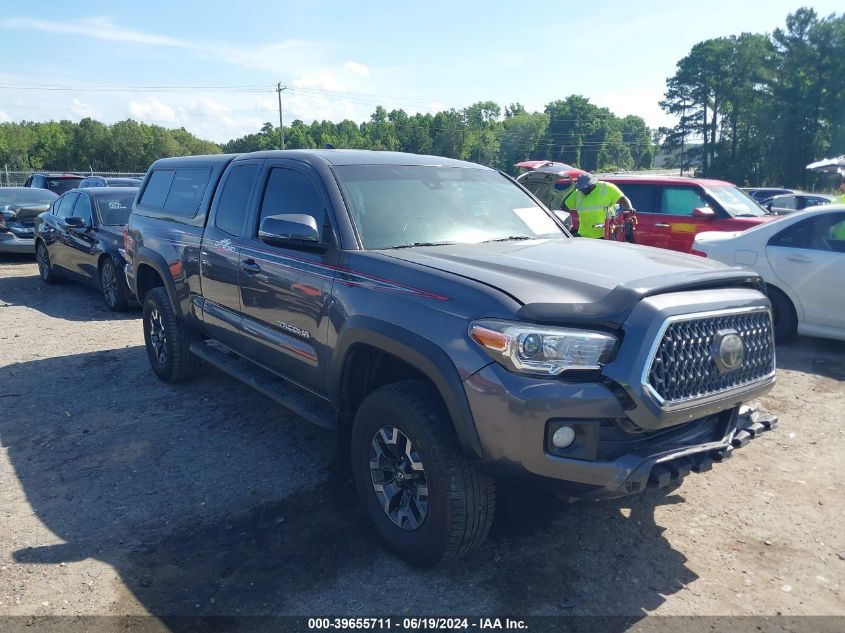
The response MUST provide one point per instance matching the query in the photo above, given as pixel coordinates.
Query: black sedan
(80, 238)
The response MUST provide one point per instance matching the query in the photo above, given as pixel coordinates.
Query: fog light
(563, 437)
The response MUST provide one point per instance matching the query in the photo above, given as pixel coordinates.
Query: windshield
(114, 208)
(394, 206)
(26, 197)
(736, 202)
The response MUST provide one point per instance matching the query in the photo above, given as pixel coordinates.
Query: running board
(265, 382)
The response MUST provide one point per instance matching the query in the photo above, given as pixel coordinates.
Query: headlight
(539, 350)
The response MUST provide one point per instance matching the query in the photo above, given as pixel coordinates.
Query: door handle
(250, 267)
(663, 226)
(798, 259)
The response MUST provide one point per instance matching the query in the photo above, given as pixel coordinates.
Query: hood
(23, 213)
(575, 280)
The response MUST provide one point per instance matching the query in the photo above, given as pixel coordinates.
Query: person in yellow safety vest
(841, 199)
(592, 199)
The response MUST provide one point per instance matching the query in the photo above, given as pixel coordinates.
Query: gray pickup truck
(448, 328)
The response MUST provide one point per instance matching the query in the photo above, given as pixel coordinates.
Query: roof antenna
(329, 146)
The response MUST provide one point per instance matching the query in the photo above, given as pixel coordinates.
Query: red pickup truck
(672, 209)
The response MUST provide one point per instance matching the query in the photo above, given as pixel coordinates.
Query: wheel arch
(151, 271)
(408, 355)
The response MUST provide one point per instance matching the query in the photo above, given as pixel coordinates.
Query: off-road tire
(461, 501)
(177, 363)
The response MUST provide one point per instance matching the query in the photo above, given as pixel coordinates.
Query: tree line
(126, 146)
(571, 130)
(760, 107)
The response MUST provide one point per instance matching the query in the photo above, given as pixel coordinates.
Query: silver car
(19, 206)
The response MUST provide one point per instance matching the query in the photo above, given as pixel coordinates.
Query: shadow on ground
(65, 300)
(819, 356)
(207, 499)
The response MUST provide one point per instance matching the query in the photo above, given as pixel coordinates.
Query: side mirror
(289, 227)
(76, 222)
(705, 213)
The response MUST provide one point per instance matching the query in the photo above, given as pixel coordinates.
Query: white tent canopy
(829, 164)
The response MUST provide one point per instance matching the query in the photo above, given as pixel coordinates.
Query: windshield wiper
(509, 238)
(420, 244)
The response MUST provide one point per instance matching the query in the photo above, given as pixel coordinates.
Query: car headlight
(542, 351)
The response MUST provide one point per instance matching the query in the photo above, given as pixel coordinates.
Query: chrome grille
(684, 367)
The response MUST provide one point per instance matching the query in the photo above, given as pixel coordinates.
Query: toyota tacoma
(450, 331)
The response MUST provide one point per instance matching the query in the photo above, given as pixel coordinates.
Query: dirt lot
(122, 495)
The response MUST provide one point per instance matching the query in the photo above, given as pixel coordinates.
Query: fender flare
(148, 257)
(419, 352)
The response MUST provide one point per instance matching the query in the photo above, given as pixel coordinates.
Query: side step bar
(265, 382)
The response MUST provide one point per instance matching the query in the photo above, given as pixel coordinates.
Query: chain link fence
(17, 178)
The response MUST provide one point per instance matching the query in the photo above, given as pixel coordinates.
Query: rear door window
(234, 198)
(680, 201)
(641, 197)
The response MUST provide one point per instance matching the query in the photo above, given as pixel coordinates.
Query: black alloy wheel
(399, 478)
(108, 281)
(158, 336)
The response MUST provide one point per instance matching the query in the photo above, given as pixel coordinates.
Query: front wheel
(424, 498)
(168, 339)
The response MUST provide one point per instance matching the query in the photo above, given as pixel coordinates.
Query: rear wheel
(45, 268)
(783, 315)
(424, 498)
(168, 339)
(113, 285)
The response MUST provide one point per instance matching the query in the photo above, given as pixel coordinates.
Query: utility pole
(279, 88)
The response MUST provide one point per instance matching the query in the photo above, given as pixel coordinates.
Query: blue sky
(210, 66)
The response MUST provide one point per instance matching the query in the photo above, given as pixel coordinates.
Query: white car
(802, 259)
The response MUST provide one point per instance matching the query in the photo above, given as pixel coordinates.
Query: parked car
(80, 238)
(57, 183)
(101, 181)
(671, 210)
(448, 328)
(787, 203)
(801, 257)
(19, 207)
(762, 194)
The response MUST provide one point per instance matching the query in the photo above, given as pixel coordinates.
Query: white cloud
(358, 68)
(153, 110)
(100, 28)
(81, 110)
(4, 118)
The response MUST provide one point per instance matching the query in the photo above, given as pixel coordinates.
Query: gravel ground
(122, 495)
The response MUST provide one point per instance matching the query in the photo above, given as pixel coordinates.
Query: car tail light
(699, 253)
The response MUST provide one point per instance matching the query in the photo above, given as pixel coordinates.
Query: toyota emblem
(728, 350)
